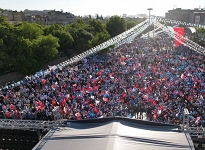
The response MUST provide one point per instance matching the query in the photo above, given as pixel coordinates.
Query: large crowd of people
(142, 76)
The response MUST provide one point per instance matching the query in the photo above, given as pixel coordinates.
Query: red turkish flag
(180, 31)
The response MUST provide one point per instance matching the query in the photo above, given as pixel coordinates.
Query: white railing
(185, 41)
(133, 36)
(179, 22)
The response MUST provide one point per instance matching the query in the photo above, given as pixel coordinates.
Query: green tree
(79, 24)
(23, 56)
(99, 38)
(3, 33)
(2, 19)
(45, 48)
(6, 46)
(89, 17)
(1, 10)
(97, 17)
(97, 26)
(29, 30)
(115, 25)
(131, 24)
(54, 27)
(24, 48)
(101, 17)
(15, 51)
(2, 55)
(81, 38)
(200, 36)
(65, 39)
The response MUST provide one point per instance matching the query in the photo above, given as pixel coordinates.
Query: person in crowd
(155, 77)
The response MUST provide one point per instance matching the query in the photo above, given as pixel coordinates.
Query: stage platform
(115, 134)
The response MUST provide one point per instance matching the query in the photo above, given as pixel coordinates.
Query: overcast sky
(103, 7)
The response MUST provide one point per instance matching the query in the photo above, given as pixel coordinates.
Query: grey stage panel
(115, 135)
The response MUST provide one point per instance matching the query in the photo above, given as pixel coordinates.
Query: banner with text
(179, 31)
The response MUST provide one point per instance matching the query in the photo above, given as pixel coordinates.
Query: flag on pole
(179, 34)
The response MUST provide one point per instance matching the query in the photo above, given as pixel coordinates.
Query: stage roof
(114, 135)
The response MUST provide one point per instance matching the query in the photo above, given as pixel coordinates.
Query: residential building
(196, 15)
(60, 17)
(16, 17)
(45, 17)
(36, 12)
(4, 13)
(40, 19)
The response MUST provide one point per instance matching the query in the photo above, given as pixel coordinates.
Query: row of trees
(26, 47)
(199, 36)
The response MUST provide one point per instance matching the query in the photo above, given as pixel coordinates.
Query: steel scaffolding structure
(196, 132)
(159, 19)
(32, 124)
(27, 124)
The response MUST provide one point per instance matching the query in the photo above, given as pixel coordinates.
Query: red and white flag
(179, 34)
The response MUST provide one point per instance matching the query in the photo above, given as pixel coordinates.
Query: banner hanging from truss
(179, 31)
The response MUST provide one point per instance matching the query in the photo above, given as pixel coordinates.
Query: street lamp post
(149, 22)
